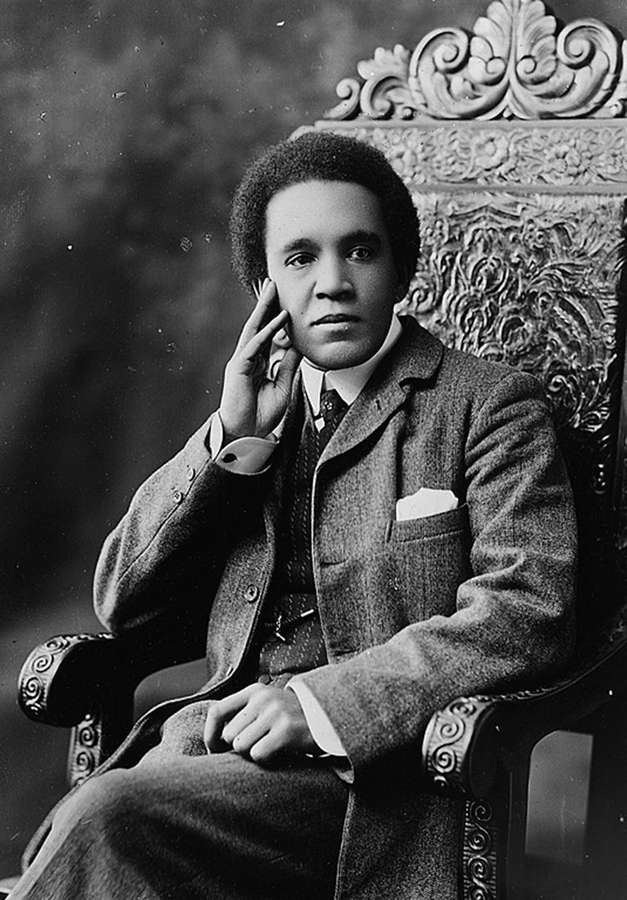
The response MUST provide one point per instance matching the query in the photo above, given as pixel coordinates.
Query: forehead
(321, 211)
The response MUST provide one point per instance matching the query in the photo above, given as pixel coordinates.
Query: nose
(333, 279)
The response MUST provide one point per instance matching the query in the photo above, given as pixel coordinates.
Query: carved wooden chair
(513, 142)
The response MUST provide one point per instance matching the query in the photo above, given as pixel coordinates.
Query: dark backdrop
(124, 129)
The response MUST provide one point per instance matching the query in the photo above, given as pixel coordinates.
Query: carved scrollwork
(84, 765)
(85, 748)
(515, 64)
(479, 865)
(446, 742)
(385, 92)
(450, 731)
(87, 734)
(39, 670)
(85, 753)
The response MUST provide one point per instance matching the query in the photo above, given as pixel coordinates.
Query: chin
(337, 355)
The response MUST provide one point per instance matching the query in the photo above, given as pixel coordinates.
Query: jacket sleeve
(513, 621)
(161, 565)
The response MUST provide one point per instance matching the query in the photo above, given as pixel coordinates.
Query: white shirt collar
(348, 382)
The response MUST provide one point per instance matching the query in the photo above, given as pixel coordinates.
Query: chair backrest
(513, 142)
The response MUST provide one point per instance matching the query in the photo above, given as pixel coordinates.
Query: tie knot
(332, 409)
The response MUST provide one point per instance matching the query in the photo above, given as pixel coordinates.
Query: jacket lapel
(416, 357)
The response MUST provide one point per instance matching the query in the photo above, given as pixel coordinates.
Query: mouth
(336, 319)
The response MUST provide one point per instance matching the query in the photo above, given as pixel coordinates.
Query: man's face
(329, 254)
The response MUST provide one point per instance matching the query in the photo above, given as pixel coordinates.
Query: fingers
(253, 347)
(282, 339)
(219, 714)
(264, 335)
(258, 285)
(267, 298)
(239, 723)
(245, 741)
(283, 373)
(269, 747)
(260, 722)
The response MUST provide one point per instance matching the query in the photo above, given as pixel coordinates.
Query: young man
(369, 526)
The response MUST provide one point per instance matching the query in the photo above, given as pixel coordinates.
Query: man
(370, 525)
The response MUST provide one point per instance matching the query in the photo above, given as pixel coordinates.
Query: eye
(298, 260)
(361, 253)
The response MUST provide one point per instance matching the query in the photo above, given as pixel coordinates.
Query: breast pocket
(440, 525)
(429, 558)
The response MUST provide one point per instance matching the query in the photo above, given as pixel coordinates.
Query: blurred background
(125, 128)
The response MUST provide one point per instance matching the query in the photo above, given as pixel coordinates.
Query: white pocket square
(425, 502)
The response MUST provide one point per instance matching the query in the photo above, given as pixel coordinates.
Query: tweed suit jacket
(413, 612)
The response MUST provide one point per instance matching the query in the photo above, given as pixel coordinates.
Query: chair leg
(479, 872)
(85, 751)
(605, 855)
(96, 737)
(493, 844)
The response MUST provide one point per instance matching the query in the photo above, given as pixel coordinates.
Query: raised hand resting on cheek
(252, 403)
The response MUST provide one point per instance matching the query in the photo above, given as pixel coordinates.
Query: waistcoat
(289, 638)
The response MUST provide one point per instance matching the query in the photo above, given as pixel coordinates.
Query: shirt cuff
(243, 456)
(322, 731)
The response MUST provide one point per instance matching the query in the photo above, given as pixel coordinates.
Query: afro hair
(319, 156)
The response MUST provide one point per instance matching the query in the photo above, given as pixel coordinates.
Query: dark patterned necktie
(332, 410)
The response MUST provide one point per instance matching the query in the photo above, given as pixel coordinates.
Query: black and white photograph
(314, 450)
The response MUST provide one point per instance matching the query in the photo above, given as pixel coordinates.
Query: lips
(336, 319)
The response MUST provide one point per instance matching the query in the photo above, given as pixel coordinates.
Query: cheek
(288, 299)
(284, 299)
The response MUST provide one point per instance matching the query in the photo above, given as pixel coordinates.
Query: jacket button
(177, 497)
(251, 593)
(191, 473)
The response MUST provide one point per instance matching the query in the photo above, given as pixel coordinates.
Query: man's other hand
(261, 722)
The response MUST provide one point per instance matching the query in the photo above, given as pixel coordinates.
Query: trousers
(186, 824)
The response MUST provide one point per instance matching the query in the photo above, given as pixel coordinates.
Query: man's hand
(260, 722)
(253, 404)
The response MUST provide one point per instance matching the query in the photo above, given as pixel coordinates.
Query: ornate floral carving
(529, 280)
(502, 154)
(515, 64)
(479, 853)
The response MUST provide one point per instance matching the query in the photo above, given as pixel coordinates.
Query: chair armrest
(467, 742)
(61, 678)
(88, 681)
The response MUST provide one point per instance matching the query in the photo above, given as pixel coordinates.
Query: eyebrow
(361, 236)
